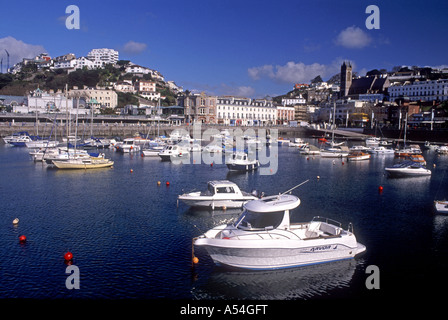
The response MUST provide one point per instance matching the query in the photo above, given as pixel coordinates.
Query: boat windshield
(255, 221)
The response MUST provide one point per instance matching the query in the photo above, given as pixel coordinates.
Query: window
(250, 220)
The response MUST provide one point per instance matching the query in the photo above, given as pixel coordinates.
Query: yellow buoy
(15, 221)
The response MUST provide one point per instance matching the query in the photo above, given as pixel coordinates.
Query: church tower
(346, 79)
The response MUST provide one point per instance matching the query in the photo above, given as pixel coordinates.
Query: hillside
(29, 78)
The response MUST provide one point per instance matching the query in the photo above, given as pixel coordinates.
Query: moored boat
(240, 161)
(219, 194)
(358, 156)
(263, 238)
(174, 151)
(84, 163)
(441, 206)
(407, 169)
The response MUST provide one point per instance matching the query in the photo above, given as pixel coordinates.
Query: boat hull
(215, 203)
(441, 206)
(71, 165)
(407, 173)
(279, 254)
(242, 167)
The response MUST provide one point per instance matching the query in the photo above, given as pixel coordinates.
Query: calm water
(129, 240)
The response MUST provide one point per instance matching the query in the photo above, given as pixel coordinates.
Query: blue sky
(243, 47)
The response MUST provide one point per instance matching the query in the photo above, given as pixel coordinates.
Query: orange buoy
(195, 260)
(68, 256)
(22, 239)
(132, 170)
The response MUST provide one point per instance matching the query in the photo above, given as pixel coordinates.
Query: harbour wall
(123, 130)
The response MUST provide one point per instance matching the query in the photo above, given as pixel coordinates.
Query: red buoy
(380, 189)
(68, 256)
(22, 239)
(167, 183)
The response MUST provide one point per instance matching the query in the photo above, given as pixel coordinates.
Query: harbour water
(130, 240)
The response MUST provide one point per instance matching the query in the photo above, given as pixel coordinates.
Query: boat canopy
(273, 203)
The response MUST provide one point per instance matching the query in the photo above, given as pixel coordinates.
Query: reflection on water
(296, 283)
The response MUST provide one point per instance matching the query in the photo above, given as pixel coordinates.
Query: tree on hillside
(82, 78)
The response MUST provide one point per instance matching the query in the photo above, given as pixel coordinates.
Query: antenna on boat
(294, 187)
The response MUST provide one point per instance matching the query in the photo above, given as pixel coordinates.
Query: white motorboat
(299, 143)
(441, 206)
(381, 150)
(310, 150)
(150, 152)
(335, 152)
(62, 154)
(360, 148)
(41, 144)
(263, 238)
(128, 145)
(373, 141)
(18, 136)
(19, 141)
(358, 156)
(240, 162)
(219, 194)
(407, 169)
(174, 151)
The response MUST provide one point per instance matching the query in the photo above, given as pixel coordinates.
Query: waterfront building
(101, 57)
(354, 112)
(39, 101)
(105, 97)
(285, 114)
(420, 90)
(245, 111)
(199, 108)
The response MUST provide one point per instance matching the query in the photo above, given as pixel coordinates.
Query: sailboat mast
(334, 124)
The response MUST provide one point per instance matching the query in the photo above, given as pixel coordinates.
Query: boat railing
(265, 231)
(326, 220)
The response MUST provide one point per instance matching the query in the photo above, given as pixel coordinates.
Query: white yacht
(174, 151)
(128, 145)
(219, 193)
(335, 152)
(441, 206)
(41, 144)
(407, 169)
(381, 150)
(241, 162)
(263, 238)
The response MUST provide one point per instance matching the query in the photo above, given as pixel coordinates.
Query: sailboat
(91, 162)
(335, 150)
(407, 151)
